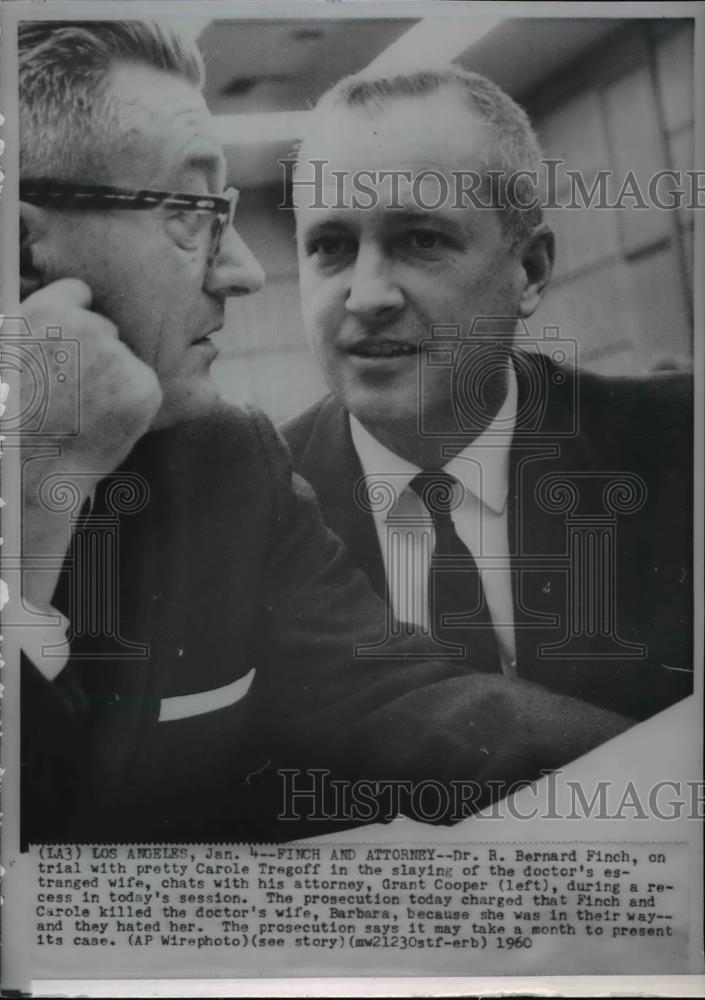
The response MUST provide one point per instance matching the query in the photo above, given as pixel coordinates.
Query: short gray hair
(513, 144)
(69, 127)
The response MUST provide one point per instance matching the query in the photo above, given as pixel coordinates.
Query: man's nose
(234, 270)
(374, 294)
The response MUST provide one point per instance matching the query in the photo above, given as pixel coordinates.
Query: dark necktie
(459, 611)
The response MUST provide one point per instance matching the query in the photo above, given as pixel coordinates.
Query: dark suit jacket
(221, 565)
(594, 461)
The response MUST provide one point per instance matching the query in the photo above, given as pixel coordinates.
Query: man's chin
(187, 401)
(380, 407)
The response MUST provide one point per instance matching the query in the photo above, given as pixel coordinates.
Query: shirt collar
(482, 467)
(378, 462)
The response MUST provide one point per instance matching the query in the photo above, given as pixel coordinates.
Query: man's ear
(537, 260)
(32, 227)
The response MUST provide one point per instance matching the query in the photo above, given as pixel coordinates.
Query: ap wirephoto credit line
(352, 362)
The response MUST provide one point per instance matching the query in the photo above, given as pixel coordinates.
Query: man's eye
(332, 247)
(187, 227)
(425, 239)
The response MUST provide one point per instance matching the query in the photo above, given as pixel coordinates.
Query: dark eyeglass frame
(60, 194)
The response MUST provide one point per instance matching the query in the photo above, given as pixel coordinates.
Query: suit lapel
(331, 466)
(549, 439)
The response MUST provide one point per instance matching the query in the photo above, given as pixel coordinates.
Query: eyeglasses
(57, 194)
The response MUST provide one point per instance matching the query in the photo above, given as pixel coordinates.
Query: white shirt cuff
(45, 643)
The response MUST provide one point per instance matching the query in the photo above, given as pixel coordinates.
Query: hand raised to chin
(97, 409)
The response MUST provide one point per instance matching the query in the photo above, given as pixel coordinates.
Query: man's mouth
(206, 337)
(382, 349)
(206, 346)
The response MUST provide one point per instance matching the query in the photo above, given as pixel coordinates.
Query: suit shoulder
(648, 419)
(671, 388)
(660, 399)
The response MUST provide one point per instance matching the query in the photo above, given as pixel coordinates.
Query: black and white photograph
(352, 447)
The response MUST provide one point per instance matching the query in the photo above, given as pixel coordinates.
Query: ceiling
(257, 67)
(286, 65)
(520, 53)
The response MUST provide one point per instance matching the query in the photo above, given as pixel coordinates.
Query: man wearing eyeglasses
(209, 622)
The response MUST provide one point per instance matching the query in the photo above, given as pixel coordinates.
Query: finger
(83, 323)
(71, 291)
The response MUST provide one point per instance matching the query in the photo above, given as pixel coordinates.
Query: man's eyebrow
(406, 213)
(328, 224)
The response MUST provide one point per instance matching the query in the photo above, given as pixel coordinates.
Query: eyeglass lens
(221, 222)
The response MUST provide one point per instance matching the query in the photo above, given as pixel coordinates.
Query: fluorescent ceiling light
(260, 128)
(433, 40)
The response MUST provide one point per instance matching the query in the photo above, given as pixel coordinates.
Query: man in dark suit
(563, 552)
(192, 626)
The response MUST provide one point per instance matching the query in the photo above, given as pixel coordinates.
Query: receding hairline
(512, 147)
(370, 97)
(199, 151)
(322, 114)
(202, 148)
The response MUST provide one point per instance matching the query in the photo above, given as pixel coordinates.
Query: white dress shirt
(44, 641)
(405, 528)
